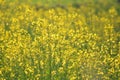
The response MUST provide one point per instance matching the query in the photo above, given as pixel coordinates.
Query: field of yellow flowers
(60, 42)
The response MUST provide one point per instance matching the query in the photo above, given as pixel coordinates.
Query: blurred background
(103, 4)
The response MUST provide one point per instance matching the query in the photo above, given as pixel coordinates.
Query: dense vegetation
(60, 40)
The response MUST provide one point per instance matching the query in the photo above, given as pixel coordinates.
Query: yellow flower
(60, 69)
(112, 11)
(53, 73)
(37, 76)
(42, 64)
(12, 74)
(0, 72)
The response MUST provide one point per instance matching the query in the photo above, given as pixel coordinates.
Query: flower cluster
(71, 43)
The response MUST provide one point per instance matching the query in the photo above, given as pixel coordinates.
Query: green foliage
(74, 41)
